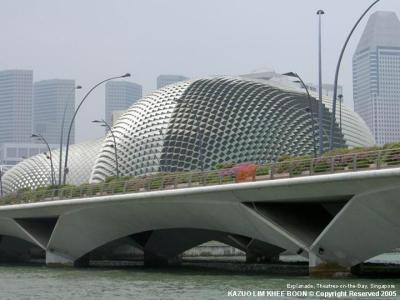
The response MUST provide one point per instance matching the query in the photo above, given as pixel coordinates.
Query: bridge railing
(352, 162)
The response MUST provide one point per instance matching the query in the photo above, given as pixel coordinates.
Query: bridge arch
(79, 232)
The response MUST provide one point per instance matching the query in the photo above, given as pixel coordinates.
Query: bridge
(338, 211)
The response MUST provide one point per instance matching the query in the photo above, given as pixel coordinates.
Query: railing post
(378, 160)
(332, 164)
(190, 179)
(355, 162)
(312, 166)
(272, 170)
(162, 183)
(53, 194)
(112, 188)
(290, 168)
(175, 181)
(125, 185)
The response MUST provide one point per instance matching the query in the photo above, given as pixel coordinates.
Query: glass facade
(15, 106)
(164, 80)
(120, 95)
(376, 77)
(51, 99)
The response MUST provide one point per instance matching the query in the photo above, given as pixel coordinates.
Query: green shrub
(262, 170)
(224, 165)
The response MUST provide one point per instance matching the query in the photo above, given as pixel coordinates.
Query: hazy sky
(94, 39)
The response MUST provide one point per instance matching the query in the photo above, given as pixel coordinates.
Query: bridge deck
(364, 161)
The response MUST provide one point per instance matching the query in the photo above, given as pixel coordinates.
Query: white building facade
(376, 76)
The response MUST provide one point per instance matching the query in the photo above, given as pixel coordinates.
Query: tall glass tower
(164, 80)
(15, 106)
(376, 76)
(51, 98)
(120, 95)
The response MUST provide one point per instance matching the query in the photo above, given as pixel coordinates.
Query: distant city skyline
(183, 37)
(210, 42)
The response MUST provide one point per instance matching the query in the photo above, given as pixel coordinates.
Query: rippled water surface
(17, 282)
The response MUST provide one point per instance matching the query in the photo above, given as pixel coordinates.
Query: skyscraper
(120, 95)
(51, 98)
(164, 80)
(15, 106)
(376, 76)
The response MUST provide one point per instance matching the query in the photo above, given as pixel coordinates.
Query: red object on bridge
(245, 172)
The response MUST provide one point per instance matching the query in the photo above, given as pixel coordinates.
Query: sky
(95, 39)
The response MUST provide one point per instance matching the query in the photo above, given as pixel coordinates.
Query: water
(25, 282)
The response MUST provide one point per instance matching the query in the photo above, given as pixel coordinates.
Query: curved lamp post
(1, 181)
(78, 87)
(340, 110)
(39, 136)
(105, 124)
(73, 119)
(292, 74)
(335, 84)
(320, 106)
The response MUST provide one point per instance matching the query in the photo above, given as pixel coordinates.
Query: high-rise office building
(51, 99)
(376, 76)
(164, 80)
(15, 106)
(120, 95)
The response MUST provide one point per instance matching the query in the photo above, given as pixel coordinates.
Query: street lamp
(340, 110)
(335, 84)
(292, 74)
(1, 181)
(320, 106)
(105, 124)
(73, 119)
(40, 137)
(78, 87)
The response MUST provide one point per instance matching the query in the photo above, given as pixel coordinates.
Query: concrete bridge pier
(58, 259)
(321, 268)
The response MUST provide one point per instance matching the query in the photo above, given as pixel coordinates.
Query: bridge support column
(154, 260)
(56, 259)
(252, 258)
(320, 268)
